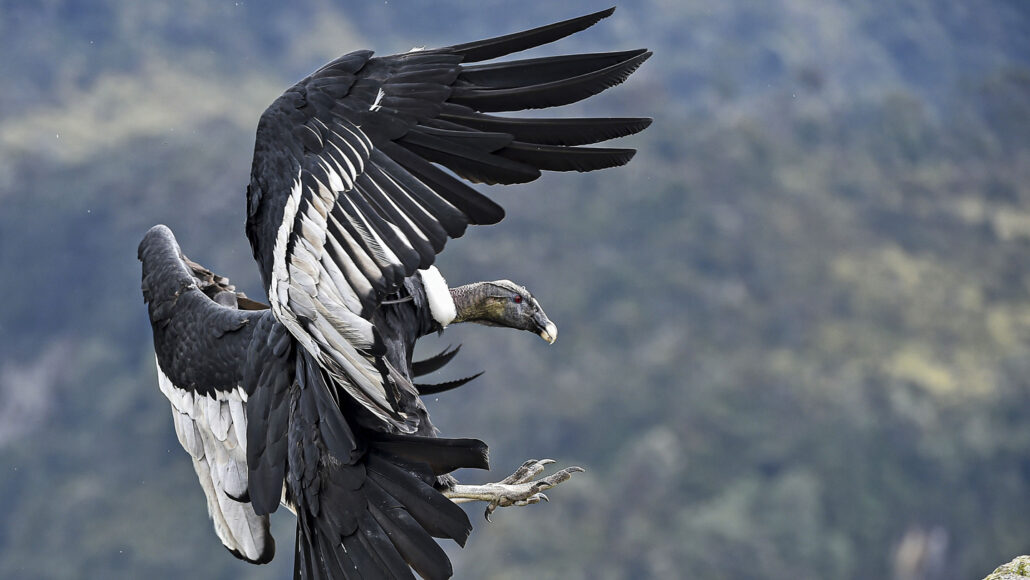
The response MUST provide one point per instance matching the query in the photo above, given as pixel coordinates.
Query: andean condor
(310, 401)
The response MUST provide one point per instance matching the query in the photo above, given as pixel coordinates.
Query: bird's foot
(518, 489)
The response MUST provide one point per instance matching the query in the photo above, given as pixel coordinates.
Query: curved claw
(527, 471)
(518, 489)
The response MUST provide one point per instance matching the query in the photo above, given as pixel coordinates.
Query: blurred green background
(795, 330)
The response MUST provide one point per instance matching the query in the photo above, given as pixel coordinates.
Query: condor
(310, 401)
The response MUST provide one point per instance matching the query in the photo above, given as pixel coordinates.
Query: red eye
(517, 299)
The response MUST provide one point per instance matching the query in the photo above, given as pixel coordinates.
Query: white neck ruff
(441, 305)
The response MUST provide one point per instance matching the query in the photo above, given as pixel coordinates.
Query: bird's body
(356, 185)
(262, 399)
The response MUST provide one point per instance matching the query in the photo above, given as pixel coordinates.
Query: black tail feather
(437, 515)
(376, 542)
(365, 502)
(419, 549)
(439, 454)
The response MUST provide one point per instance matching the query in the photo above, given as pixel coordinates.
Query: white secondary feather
(304, 287)
(353, 160)
(441, 305)
(212, 429)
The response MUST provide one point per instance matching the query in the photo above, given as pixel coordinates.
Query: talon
(521, 474)
(517, 489)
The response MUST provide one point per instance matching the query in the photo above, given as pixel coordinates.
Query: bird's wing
(203, 368)
(347, 196)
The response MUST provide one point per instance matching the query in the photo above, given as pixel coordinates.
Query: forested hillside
(794, 331)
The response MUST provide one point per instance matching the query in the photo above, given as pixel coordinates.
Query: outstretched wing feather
(360, 171)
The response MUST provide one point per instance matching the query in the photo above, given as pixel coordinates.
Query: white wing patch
(307, 284)
(344, 232)
(213, 430)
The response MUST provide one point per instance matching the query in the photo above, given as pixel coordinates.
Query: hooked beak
(549, 333)
(545, 328)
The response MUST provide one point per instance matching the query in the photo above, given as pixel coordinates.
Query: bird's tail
(366, 506)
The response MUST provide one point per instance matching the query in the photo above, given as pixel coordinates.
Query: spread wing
(348, 196)
(207, 365)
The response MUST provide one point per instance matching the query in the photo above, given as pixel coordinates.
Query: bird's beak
(545, 328)
(549, 333)
(543, 325)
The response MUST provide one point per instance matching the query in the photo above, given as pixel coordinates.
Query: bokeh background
(795, 330)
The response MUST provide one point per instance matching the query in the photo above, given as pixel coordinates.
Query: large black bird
(310, 401)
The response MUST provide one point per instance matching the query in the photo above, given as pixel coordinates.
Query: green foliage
(794, 330)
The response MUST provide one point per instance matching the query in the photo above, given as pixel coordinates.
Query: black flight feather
(549, 94)
(436, 388)
(557, 158)
(519, 41)
(545, 131)
(536, 71)
(449, 216)
(479, 208)
(435, 362)
(471, 163)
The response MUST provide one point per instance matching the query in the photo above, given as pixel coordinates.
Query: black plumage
(293, 423)
(358, 181)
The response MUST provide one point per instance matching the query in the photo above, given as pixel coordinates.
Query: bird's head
(502, 303)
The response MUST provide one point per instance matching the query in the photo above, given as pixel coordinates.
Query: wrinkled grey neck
(470, 302)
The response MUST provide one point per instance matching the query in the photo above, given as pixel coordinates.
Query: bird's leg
(517, 489)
